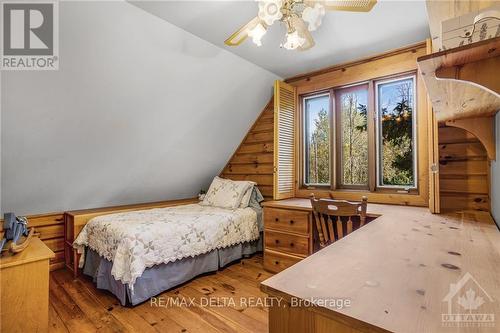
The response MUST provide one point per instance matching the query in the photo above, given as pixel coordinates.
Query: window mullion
(372, 139)
(333, 142)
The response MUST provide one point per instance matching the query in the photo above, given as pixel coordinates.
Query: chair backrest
(334, 218)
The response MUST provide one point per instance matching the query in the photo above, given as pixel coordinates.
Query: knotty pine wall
(463, 169)
(253, 160)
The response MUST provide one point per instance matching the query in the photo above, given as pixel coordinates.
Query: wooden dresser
(288, 234)
(25, 289)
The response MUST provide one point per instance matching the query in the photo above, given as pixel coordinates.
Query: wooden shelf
(463, 82)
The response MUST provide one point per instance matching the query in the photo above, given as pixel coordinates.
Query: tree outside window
(396, 138)
(373, 125)
(317, 134)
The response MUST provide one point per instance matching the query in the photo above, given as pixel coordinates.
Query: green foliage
(363, 112)
(396, 146)
(354, 141)
(397, 131)
(319, 150)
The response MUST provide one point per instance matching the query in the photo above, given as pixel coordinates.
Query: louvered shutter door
(284, 140)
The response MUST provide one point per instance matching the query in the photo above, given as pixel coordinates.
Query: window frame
(303, 137)
(338, 136)
(378, 133)
(372, 124)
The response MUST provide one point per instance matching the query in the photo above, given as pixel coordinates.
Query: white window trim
(304, 136)
(414, 128)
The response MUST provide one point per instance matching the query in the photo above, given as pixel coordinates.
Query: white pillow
(225, 193)
(248, 194)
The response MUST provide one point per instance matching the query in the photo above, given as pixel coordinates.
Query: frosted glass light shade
(293, 41)
(270, 11)
(313, 16)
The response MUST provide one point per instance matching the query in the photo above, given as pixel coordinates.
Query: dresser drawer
(293, 244)
(276, 262)
(286, 220)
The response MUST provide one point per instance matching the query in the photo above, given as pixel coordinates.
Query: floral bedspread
(136, 240)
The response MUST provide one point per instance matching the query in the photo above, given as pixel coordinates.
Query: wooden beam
(342, 67)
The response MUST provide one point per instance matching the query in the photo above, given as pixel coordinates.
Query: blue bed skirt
(160, 278)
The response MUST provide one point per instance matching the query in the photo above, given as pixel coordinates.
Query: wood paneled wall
(253, 160)
(50, 229)
(463, 169)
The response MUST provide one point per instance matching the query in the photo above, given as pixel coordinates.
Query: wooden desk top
(374, 210)
(35, 251)
(398, 269)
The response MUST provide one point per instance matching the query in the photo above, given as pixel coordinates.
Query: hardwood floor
(227, 301)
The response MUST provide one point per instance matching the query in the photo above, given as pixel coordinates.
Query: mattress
(159, 278)
(135, 241)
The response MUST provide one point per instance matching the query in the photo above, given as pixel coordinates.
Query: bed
(139, 254)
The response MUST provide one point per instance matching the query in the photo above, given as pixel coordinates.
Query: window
(396, 139)
(351, 108)
(368, 132)
(317, 139)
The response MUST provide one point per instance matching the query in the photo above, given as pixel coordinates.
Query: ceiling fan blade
(242, 33)
(309, 41)
(301, 27)
(347, 5)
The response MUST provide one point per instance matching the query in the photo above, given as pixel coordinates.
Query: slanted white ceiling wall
(343, 36)
(139, 111)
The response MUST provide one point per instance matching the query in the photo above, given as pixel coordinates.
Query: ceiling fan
(300, 17)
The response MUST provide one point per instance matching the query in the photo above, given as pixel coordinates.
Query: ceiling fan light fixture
(313, 16)
(270, 11)
(293, 40)
(256, 33)
(300, 17)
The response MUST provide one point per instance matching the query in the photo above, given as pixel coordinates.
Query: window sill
(384, 196)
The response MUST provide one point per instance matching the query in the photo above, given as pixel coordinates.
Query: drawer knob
(292, 245)
(291, 221)
(276, 262)
(276, 219)
(277, 241)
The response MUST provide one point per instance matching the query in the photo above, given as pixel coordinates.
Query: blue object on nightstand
(14, 227)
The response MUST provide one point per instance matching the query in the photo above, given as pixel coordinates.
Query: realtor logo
(467, 303)
(29, 36)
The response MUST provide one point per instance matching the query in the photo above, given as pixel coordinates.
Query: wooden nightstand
(288, 234)
(25, 289)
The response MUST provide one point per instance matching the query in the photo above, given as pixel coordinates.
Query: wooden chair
(336, 218)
